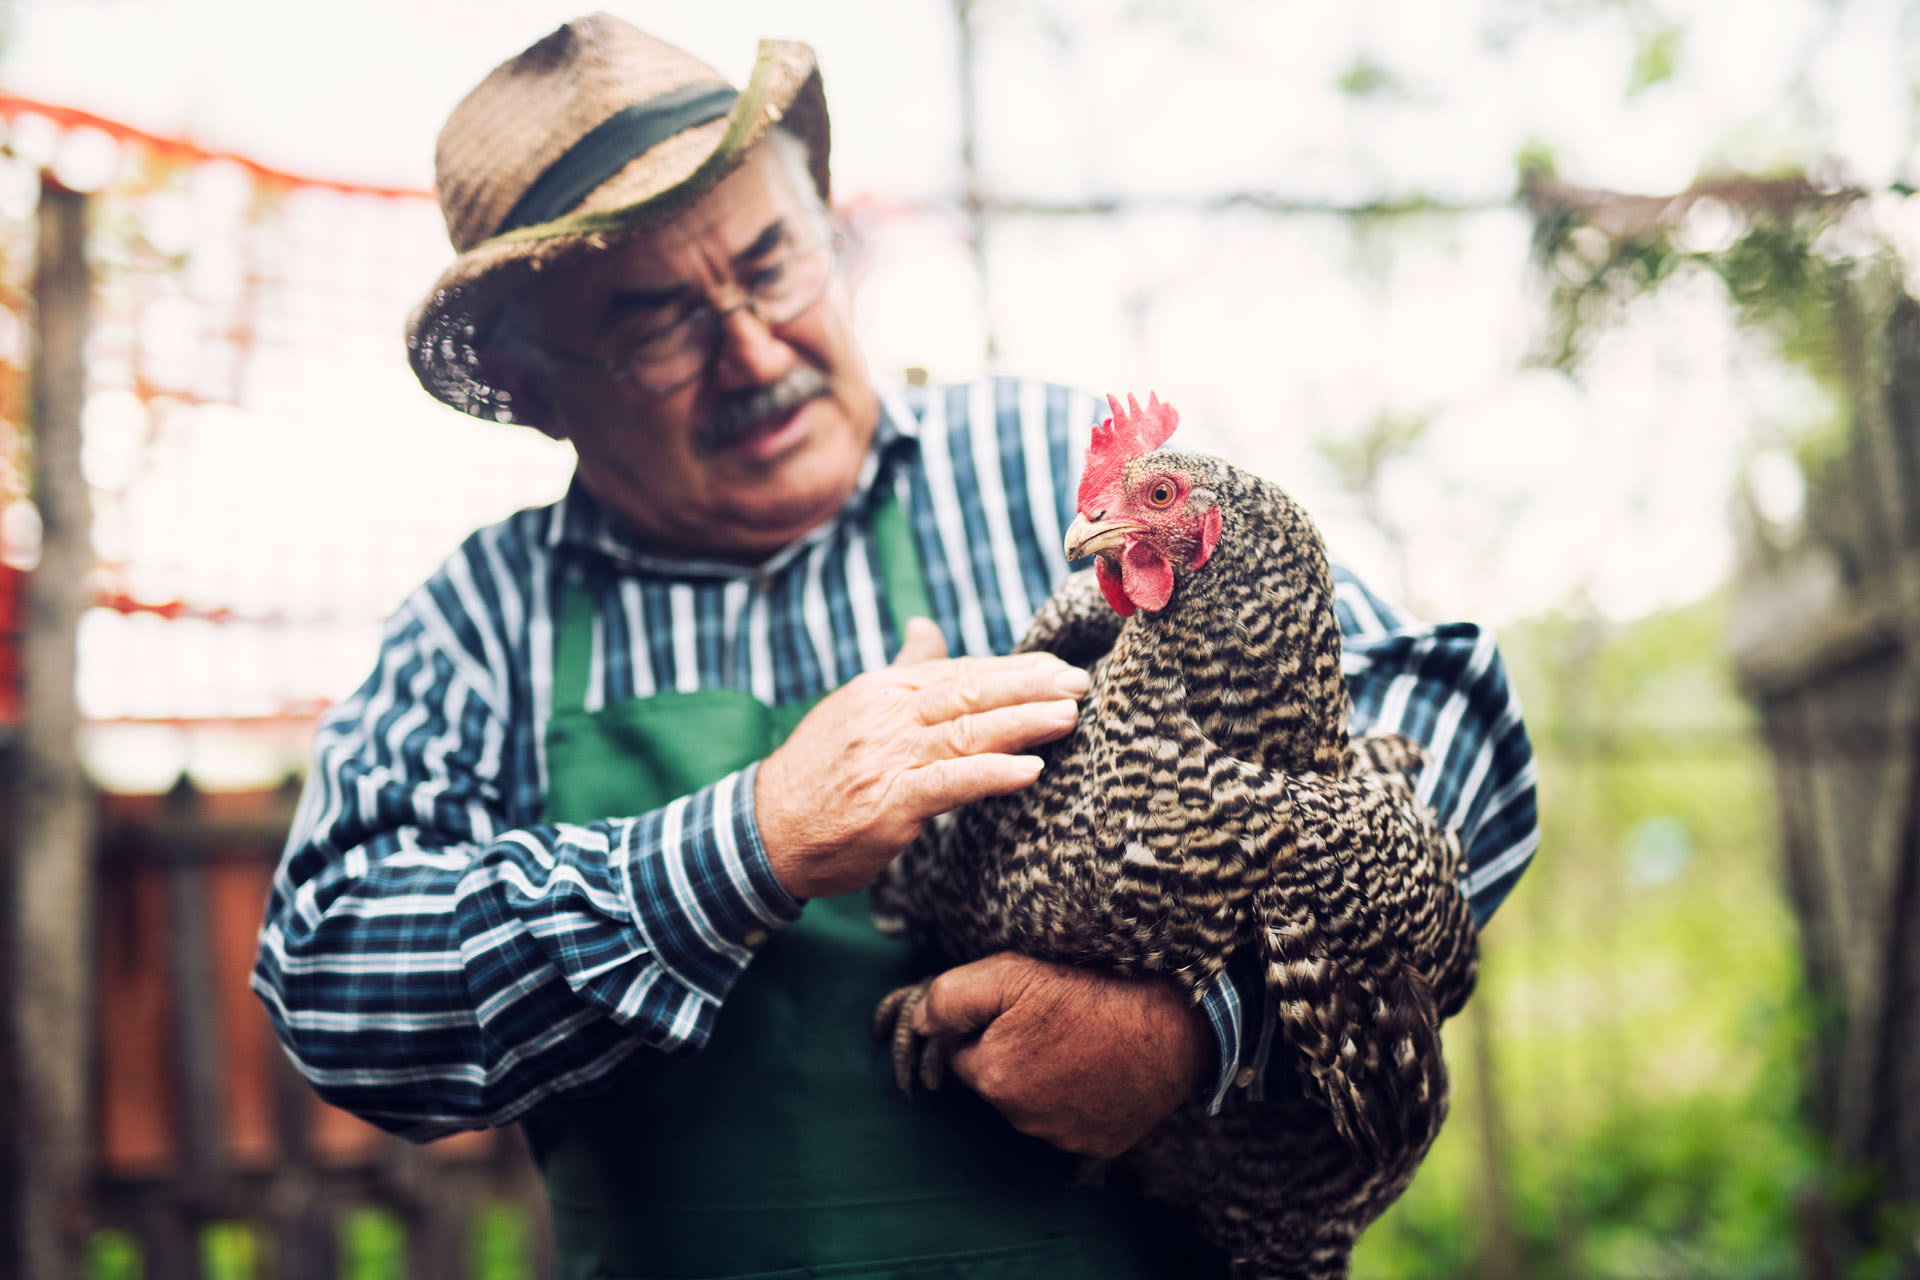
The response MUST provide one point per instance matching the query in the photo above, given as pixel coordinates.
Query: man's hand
(1087, 1061)
(866, 769)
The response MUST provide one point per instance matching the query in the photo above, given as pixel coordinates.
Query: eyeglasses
(667, 359)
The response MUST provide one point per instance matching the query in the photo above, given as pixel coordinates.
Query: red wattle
(1109, 579)
(1146, 576)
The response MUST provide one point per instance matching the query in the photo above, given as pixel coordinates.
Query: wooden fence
(198, 1116)
(144, 1092)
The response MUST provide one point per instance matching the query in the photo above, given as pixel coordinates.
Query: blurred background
(1588, 319)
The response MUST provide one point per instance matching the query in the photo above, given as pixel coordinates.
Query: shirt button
(759, 936)
(1245, 1078)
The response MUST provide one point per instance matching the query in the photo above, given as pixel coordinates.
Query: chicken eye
(1161, 495)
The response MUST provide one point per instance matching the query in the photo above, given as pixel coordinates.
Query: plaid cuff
(703, 895)
(1221, 1003)
(1260, 1078)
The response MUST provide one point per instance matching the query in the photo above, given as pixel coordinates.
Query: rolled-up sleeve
(1445, 686)
(432, 964)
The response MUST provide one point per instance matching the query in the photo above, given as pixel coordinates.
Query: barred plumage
(1210, 800)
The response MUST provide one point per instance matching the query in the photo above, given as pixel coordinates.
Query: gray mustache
(741, 409)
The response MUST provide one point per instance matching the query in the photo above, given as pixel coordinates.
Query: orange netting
(268, 481)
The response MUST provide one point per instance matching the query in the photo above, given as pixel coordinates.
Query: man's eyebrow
(626, 302)
(765, 243)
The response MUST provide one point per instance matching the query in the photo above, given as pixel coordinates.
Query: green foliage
(1535, 158)
(1791, 263)
(1657, 59)
(373, 1245)
(501, 1241)
(1591, 279)
(1366, 77)
(112, 1255)
(1356, 458)
(1780, 281)
(229, 1251)
(1640, 991)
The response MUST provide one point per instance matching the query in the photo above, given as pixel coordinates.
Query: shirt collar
(580, 523)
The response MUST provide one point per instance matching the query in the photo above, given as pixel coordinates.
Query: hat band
(611, 145)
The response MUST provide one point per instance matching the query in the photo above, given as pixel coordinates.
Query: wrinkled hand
(1087, 1061)
(866, 769)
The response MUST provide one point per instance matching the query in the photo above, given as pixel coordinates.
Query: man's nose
(750, 353)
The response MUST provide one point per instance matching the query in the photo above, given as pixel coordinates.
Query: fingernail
(1073, 682)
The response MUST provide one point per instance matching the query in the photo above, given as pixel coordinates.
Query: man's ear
(514, 366)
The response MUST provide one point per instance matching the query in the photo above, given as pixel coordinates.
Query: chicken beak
(1084, 536)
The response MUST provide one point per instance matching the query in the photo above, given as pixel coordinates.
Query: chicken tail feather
(1366, 1030)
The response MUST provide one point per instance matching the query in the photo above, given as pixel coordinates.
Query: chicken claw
(913, 1054)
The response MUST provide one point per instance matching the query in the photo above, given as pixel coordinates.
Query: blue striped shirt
(436, 958)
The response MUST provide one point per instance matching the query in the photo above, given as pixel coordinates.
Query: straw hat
(596, 131)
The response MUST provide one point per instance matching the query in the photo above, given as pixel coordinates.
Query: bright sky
(1268, 333)
(1188, 96)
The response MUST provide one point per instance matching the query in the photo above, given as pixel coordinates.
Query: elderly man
(585, 849)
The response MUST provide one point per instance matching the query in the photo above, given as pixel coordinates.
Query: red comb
(1129, 433)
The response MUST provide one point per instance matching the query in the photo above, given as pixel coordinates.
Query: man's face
(767, 440)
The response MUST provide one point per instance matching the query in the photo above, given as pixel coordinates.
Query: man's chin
(771, 521)
(801, 492)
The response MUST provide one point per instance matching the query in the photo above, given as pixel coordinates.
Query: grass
(373, 1246)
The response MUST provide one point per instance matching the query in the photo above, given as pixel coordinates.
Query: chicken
(1210, 800)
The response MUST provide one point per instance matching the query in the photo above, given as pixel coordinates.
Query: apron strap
(899, 557)
(573, 646)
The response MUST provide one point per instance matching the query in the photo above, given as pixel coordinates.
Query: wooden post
(51, 894)
(1838, 689)
(197, 1049)
(306, 1228)
(973, 197)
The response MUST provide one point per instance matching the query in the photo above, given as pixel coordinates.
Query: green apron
(782, 1148)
